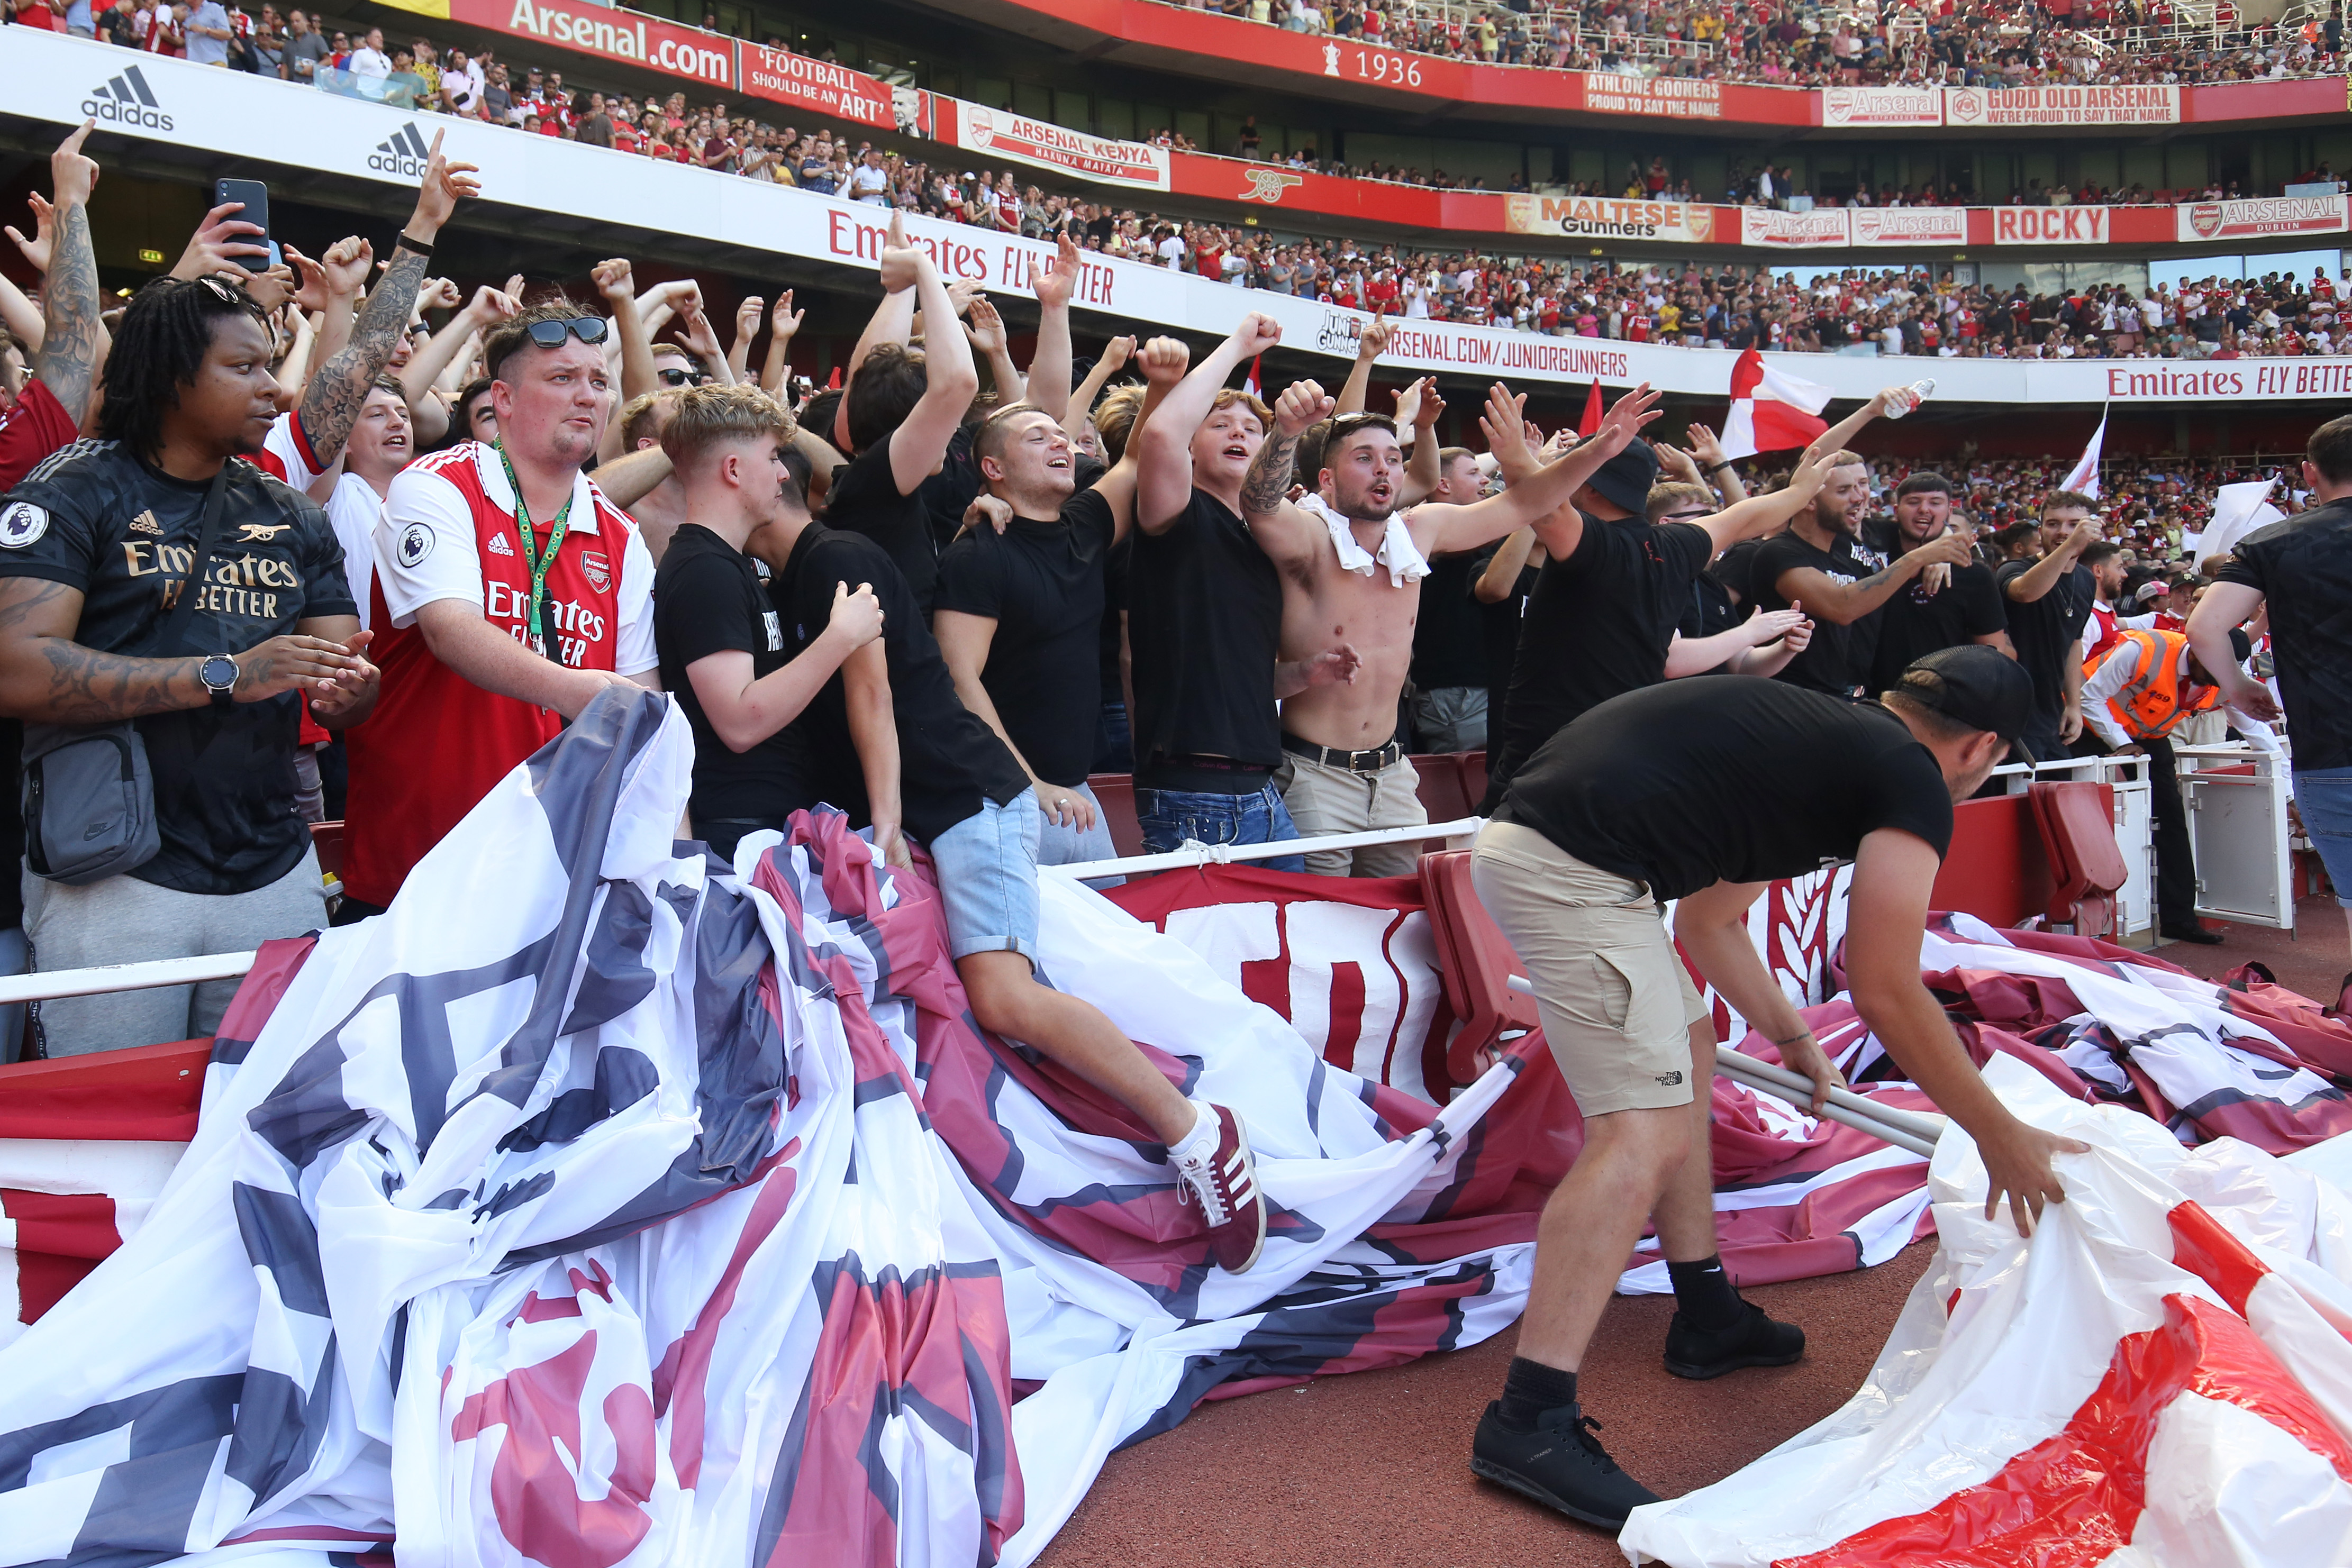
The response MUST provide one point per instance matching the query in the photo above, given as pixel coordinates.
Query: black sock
(1529, 1389)
(1703, 1292)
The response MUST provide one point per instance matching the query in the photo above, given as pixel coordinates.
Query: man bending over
(1704, 790)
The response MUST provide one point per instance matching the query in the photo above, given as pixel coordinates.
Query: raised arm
(2042, 576)
(949, 377)
(72, 338)
(893, 321)
(1753, 517)
(1356, 390)
(423, 373)
(1714, 467)
(1419, 406)
(783, 322)
(1164, 360)
(616, 286)
(1283, 531)
(330, 403)
(986, 329)
(1842, 432)
(1537, 494)
(1113, 359)
(1164, 486)
(1048, 385)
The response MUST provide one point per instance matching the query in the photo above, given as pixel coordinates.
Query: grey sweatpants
(122, 920)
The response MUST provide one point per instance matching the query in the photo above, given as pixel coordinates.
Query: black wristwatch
(219, 675)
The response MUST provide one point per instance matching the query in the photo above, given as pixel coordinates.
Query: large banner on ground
(62, 80)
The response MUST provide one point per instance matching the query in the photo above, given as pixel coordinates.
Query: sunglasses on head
(587, 329)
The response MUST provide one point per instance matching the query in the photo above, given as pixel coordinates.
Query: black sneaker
(1560, 1465)
(1754, 1341)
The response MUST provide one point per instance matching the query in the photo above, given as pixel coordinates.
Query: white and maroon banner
(1882, 106)
(2261, 218)
(2050, 227)
(1824, 228)
(817, 87)
(1001, 133)
(2160, 1377)
(1912, 226)
(1610, 217)
(1966, 108)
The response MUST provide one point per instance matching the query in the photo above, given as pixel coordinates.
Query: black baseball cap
(1972, 685)
(1626, 479)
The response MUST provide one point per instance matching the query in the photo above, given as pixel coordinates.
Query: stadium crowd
(1805, 43)
(279, 546)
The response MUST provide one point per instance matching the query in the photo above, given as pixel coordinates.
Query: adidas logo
(405, 152)
(145, 523)
(498, 545)
(127, 100)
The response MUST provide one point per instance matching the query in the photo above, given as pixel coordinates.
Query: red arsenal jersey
(436, 742)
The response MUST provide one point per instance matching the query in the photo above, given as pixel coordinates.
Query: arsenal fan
(48, 411)
(1703, 792)
(2047, 603)
(508, 592)
(1933, 610)
(1351, 565)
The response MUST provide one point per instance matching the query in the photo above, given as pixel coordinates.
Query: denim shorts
(1169, 817)
(987, 867)
(2323, 799)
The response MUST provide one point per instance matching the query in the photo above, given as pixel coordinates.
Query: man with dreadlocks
(155, 579)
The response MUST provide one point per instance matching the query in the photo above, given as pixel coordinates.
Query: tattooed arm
(72, 339)
(330, 405)
(1285, 533)
(46, 675)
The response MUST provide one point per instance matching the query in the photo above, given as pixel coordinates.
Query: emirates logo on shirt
(597, 571)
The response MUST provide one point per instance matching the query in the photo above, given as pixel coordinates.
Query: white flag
(2238, 510)
(2085, 475)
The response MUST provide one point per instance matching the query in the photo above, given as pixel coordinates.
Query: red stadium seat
(327, 837)
(1474, 777)
(2078, 831)
(1116, 793)
(1440, 775)
(1477, 961)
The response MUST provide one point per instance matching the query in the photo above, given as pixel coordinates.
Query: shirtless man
(1352, 566)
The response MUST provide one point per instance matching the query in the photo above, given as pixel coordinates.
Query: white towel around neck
(1397, 552)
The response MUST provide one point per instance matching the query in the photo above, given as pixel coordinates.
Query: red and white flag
(1771, 411)
(2085, 475)
(1590, 425)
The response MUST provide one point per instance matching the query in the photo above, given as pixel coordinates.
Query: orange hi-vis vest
(2149, 705)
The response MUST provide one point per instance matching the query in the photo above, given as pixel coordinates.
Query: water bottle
(1903, 400)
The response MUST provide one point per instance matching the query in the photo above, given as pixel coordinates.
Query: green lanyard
(531, 556)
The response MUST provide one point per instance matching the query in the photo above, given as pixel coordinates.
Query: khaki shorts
(1325, 800)
(1616, 1002)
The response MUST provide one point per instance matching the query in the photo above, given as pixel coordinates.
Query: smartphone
(255, 197)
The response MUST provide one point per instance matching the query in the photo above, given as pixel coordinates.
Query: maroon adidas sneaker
(1225, 1183)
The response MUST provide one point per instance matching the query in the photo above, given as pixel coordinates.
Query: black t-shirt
(1724, 779)
(1448, 648)
(1734, 570)
(1830, 662)
(2302, 568)
(1204, 630)
(2043, 631)
(1598, 625)
(1912, 624)
(948, 759)
(95, 518)
(864, 500)
(1498, 634)
(1042, 583)
(709, 599)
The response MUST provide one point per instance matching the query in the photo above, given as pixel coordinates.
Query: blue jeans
(987, 865)
(1169, 817)
(2323, 799)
